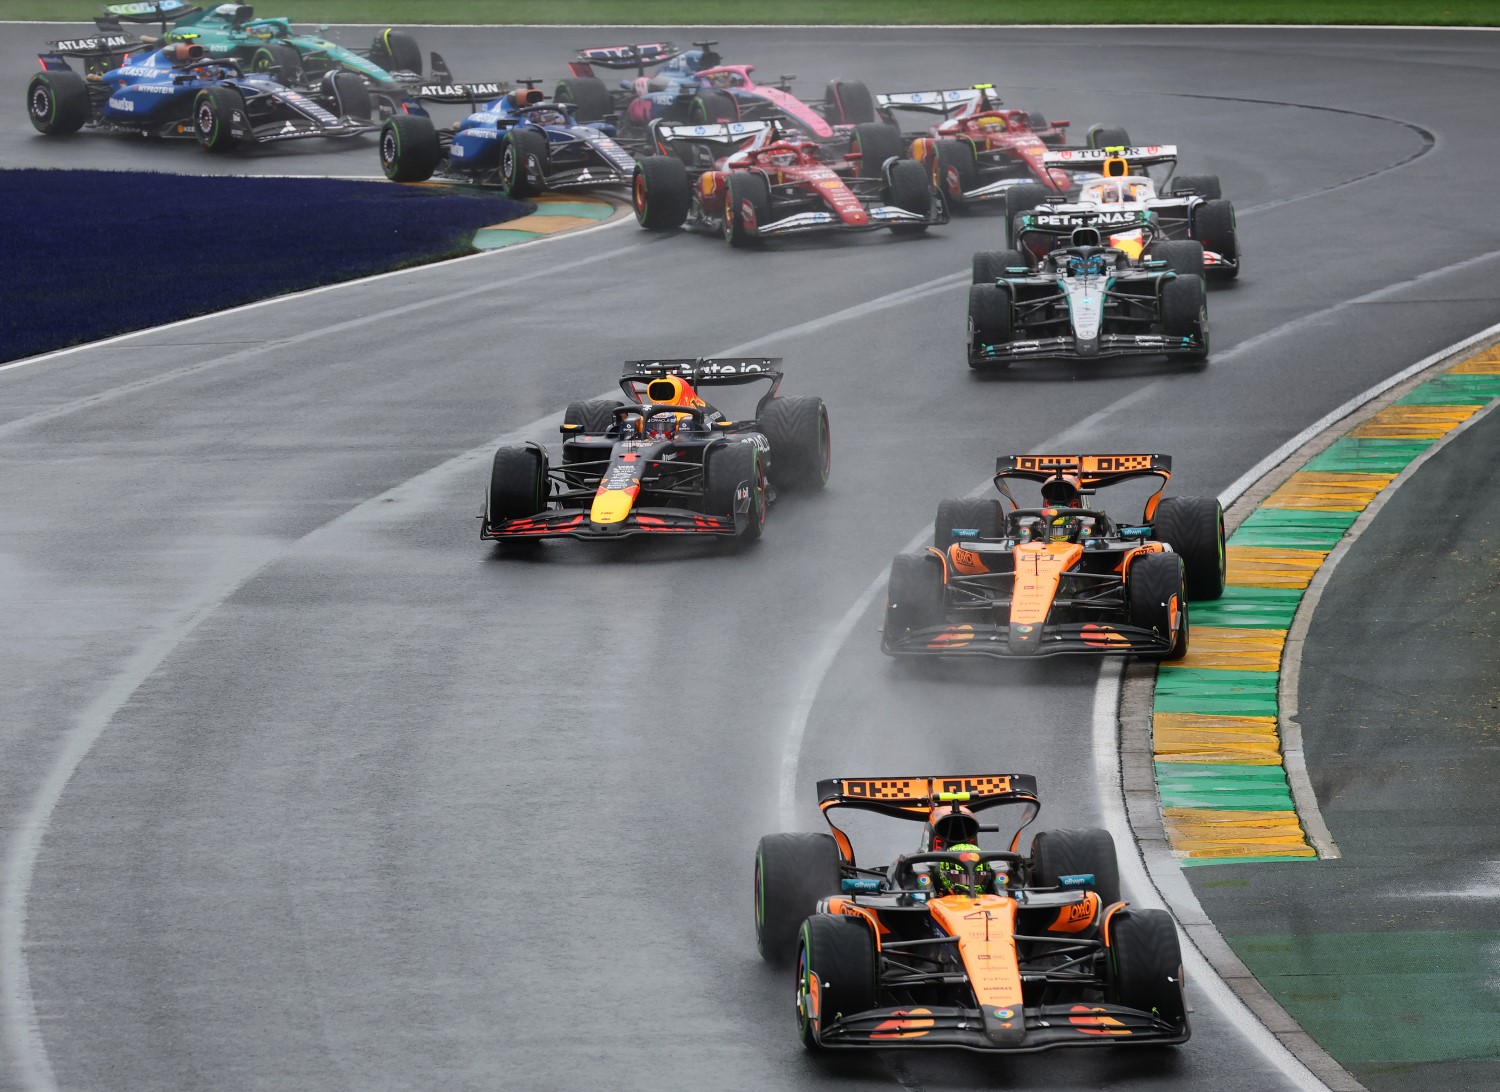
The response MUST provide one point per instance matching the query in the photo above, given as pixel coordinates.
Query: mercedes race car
(1061, 578)
(663, 461)
(693, 86)
(958, 945)
(979, 150)
(1084, 300)
(518, 141)
(755, 180)
(177, 91)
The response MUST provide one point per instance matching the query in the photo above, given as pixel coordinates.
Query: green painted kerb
(1294, 528)
(1352, 455)
(1216, 693)
(1248, 608)
(1223, 786)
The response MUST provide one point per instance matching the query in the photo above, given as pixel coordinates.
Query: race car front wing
(1042, 1027)
(1025, 642)
(1106, 345)
(575, 523)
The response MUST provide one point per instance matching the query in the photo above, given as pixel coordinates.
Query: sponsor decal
(82, 45)
(747, 215)
(1084, 1020)
(904, 1024)
(953, 637)
(123, 105)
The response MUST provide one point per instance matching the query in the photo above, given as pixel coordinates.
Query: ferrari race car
(1184, 208)
(693, 86)
(1060, 578)
(518, 141)
(663, 461)
(956, 945)
(1085, 300)
(177, 91)
(391, 64)
(755, 180)
(979, 151)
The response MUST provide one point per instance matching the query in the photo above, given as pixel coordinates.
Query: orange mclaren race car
(957, 945)
(1063, 577)
(663, 461)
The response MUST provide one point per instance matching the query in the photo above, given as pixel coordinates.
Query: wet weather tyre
(518, 484)
(1183, 256)
(349, 95)
(801, 445)
(1090, 851)
(728, 466)
(1146, 964)
(409, 148)
(711, 107)
(589, 96)
(1214, 227)
(1101, 136)
(838, 952)
(396, 51)
(955, 171)
(58, 102)
(914, 595)
(792, 872)
(1152, 582)
(593, 417)
(1194, 527)
(963, 520)
(1019, 199)
(848, 102)
(523, 163)
(910, 190)
(1036, 120)
(279, 61)
(1184, 313)
(747, 205)
(989, 321)
(661, 193)
(1205, 185)
(214, 109)
(990, 265)
(875, 143)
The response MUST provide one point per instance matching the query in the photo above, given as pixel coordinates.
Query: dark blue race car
(177, 91)
(518, 141)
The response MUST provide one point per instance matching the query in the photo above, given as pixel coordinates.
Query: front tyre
(661, 193)
(1146, 964)
(990, 321)
(57, 102)
(914, 596)
(215, 110)
(792, 872)
(518, 484)
(747, 205)
(523, 163)
(910, 190)
(734, 477)
(837, 972)
(1156, 593)
(409, 148)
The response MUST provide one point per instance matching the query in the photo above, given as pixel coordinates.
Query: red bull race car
(961, 946)
(1061, 578)
(756, 180)
(663, 461)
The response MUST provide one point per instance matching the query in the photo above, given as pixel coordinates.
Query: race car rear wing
(943, 103)
(157, 11)
(915, 798)
(713, 371)
(1094, 472)
(640, 57)
(1063, 222)
(721, 132)
(471, 93)
(1145, 155)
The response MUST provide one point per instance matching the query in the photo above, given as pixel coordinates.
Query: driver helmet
(660, 426)
(547, 117)
(184, 53)
(1109, 193)
(1079, 265)
(1062, 527)
(695, 59)
(953, 877)
(1018, 123)
(990, 122)
(1062, 491)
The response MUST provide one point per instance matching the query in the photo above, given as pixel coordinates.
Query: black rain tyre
(525, 152)
(1146, 964)
(955, 171)
(518, 484)
(1019, 199)
(914, 596)
(213, 113)
(981, 516)
(711, 107)
(1184, 313)
(990, 265)
(1194, 528)
(840, 951)
(1205, 185)
(801, 445)
(1150, 585)
(396, 51)
(1102, 136)
(58, 102)
(727, 466)
(280, 61)
(592, 417)
(1183, 256)
(1057, 853)
(349, 95)
(874, 144)
(792, 872)
(848, 102)
(589, 96)
(989, 320)
(1214, 227)
(409, 148)
(747, 205)
(909, 188)
(661, 193)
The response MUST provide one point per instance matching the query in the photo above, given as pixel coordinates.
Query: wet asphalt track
(364, 804)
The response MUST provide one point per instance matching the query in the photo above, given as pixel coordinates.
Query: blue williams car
(177, 91)
(518, 141)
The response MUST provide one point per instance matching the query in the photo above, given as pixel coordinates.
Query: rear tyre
(279, 61)
(396, 51)
(711, 107)
(964, 520)
(801, 446)
(1183, 256)
(990, 265)
(955, 171)
(1019, 199)
(848, 102)
(730, 466)
(792, 872)
(518, 484)
(747, 205)
(909, 189)
(1146, 960)
(1184, 313)
(1101, 136)
(1037, 120)
(838, 953)
(1205, 185)
(214, 109)
(409, 148)
(523, 163)
(589, 96)
(914, 596)
(349, 95)
(58, 102)
(593, 417)
(1154, 586)
(1194, 528)
(661, 193)
(1058, 853)
(874, 143)
(989, 320)
(1214, 227)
